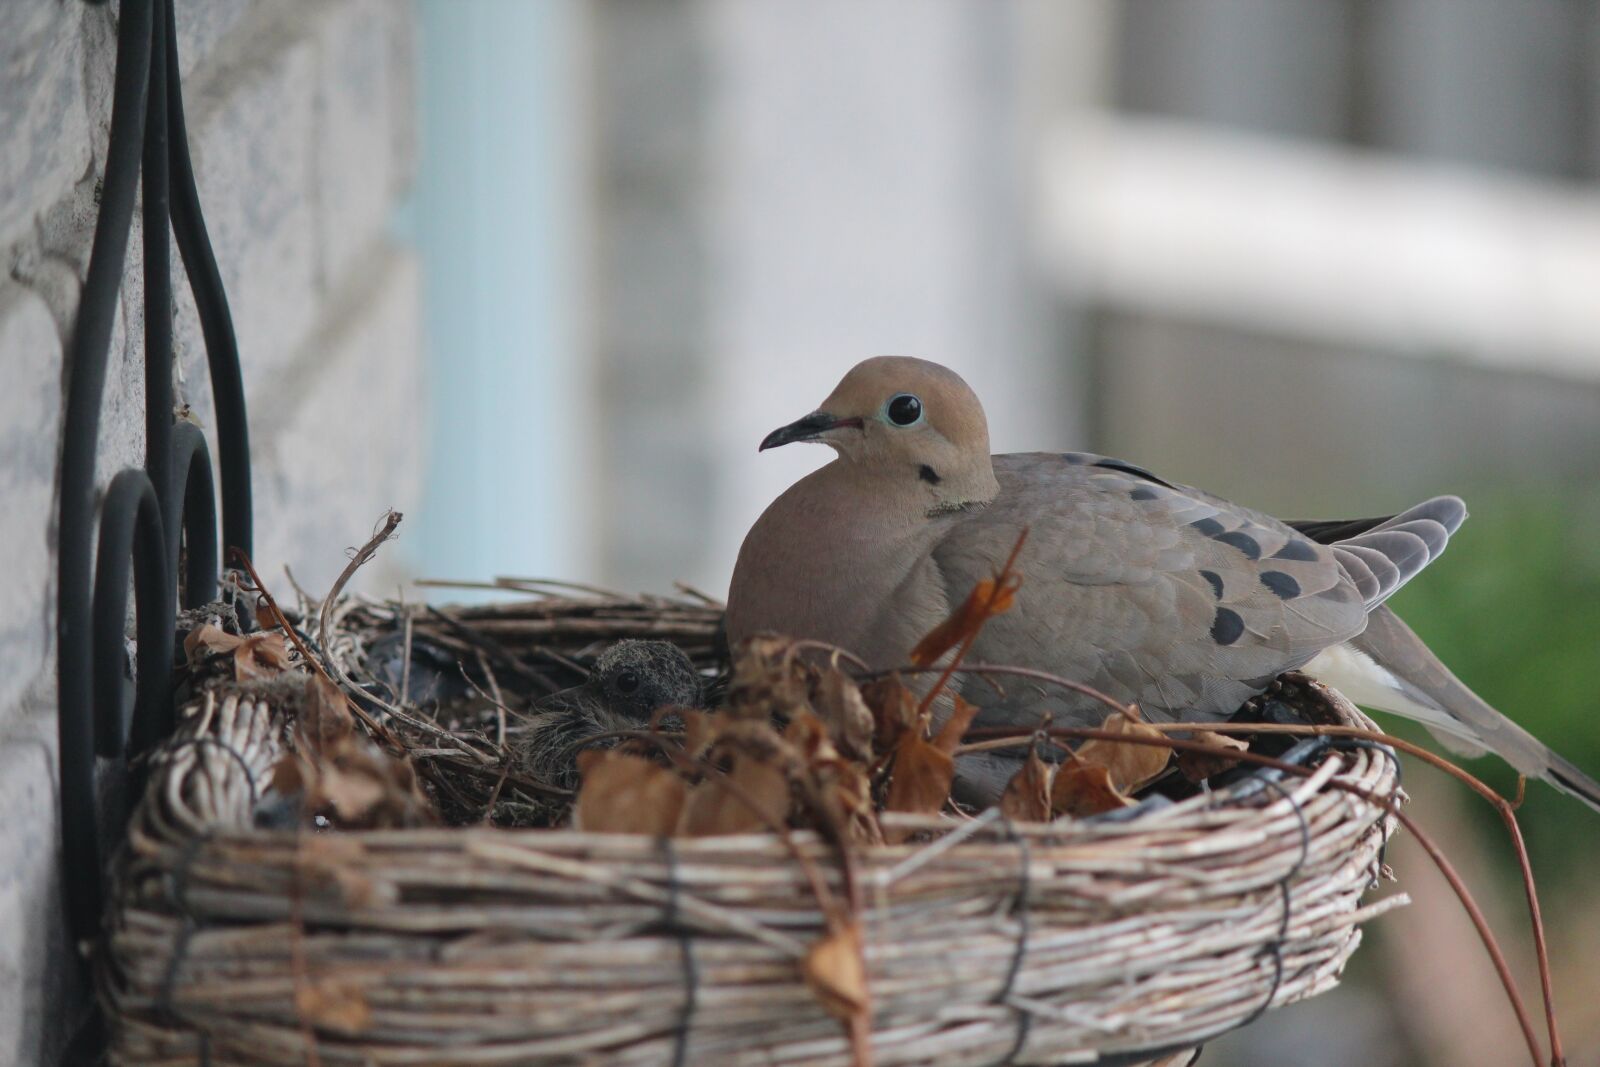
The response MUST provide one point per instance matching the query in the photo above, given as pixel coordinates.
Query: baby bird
(628, 684)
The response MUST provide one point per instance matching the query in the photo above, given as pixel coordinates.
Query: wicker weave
(1108, 940)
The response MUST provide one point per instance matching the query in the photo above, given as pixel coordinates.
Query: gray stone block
(30, 431)
(37, 971)
(203, 26)
(43, 122)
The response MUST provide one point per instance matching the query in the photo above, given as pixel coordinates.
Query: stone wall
(302, 130)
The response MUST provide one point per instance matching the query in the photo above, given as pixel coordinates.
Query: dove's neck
(907, 490)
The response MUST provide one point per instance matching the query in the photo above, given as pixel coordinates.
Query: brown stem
(1002, 578)
(362, 556)
(283, 622)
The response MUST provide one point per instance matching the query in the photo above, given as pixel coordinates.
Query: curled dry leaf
(1027, 795)
(324, 718)
(1198, 766)
(837, 791)
(210, 639)
(893, 708)
(990, 597)
(1082, 789)
(948, 739)
(260, 655)
(340, 774)
(752, 796)
(836, 972)
(839, 704)
(1131, 764)
(769, 679)
(923, 770)
(699, 730)
(921, 780)
(627, 794)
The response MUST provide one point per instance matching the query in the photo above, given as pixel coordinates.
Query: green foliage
(1514, 609)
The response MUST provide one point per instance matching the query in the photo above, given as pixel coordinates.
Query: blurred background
(1326, 257)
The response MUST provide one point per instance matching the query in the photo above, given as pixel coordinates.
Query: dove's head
(906, 420)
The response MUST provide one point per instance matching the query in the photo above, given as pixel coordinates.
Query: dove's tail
(1387, 666)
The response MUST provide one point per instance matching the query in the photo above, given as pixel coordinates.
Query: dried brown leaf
(1027, 795)
(752, 796)
(847, 794)
(1198, 766)
(211, 639)
(922, 775)
(837, 973)
(839, 704)
(699, 731)
(809, 737)
(287, 778)
(769, 679)
(1132, 764)
(333, 1004)
(836, 790)
(1082, 789)
(626, 794)
(354, 787)
(261, 655)
(324, 719)
(948, 739)
(990, 597)
(893, 708)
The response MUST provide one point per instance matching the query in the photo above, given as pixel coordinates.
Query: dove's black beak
(809, 428)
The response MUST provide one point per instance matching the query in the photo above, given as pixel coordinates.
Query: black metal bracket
(153, 519)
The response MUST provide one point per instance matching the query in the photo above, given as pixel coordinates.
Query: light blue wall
(497, 220)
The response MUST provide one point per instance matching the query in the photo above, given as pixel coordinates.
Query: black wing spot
(1282, 585)
(1242, 541)
(1144, 492)
(929, 475)
(1227, 627)
(1297, 549)
(1074, 458)
(1209, 527)
(1216, 582)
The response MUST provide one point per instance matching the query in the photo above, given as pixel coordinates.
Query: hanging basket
(1115, 939)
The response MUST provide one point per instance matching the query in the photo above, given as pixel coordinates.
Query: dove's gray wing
(1147, 590)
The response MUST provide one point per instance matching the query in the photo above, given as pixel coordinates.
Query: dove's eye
(903, 409)
(626, 681)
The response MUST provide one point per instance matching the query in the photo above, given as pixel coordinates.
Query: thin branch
(362, 556)
(1006, 581)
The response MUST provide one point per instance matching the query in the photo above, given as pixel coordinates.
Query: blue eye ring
(903, 409)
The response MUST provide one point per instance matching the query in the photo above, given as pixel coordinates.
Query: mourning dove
(629, 683)
(1150, 591)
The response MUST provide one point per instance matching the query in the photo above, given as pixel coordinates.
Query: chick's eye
(627, 681)
(903, 409)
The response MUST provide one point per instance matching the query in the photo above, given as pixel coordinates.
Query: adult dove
(1150, 591)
